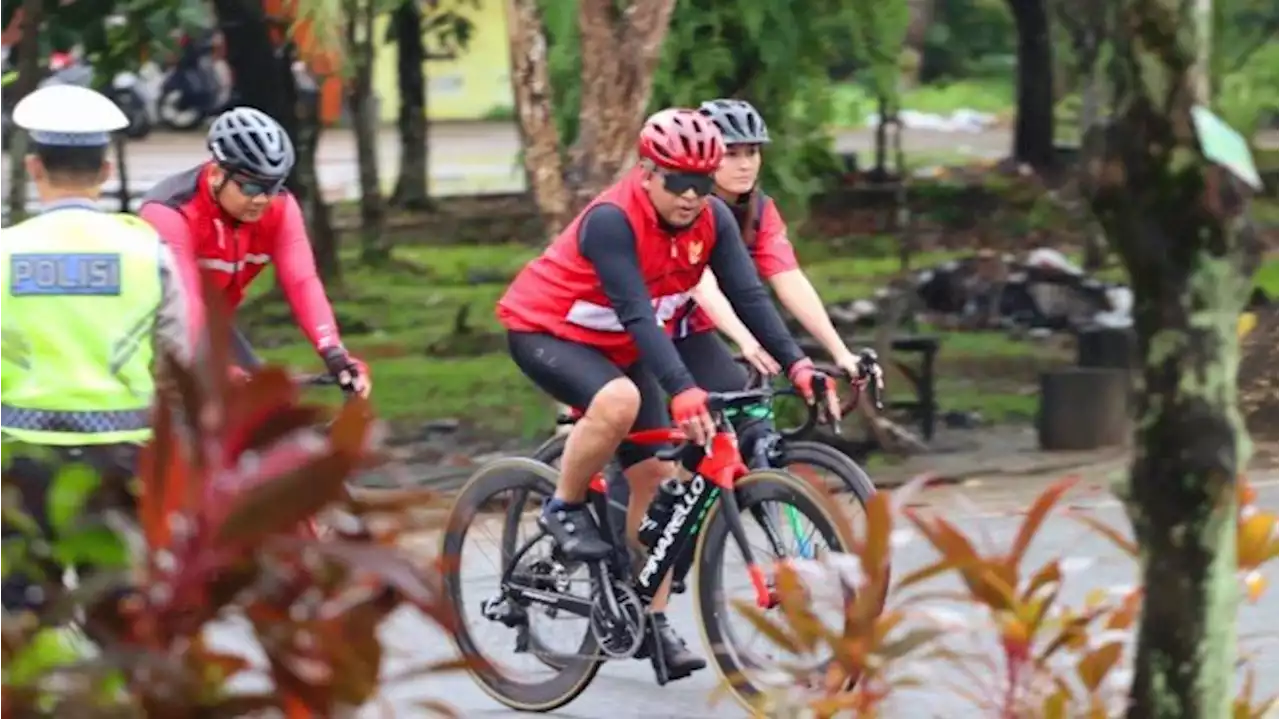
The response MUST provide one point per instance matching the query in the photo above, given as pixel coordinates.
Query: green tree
(582, 75)
(1179, 224)
(777, 56)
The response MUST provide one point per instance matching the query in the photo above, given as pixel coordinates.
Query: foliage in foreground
(223, 530)
(1054, 659)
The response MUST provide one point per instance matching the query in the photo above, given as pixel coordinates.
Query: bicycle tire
(574, 675)
(757, 487)
(852, 476)
(549, 451)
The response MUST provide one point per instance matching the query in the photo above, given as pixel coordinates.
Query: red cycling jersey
(559, 292)
(772, 253)
(205, 240)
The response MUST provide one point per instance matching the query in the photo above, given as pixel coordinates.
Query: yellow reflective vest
(81, 292)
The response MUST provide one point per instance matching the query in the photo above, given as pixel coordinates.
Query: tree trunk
(411, 189)
(360, 22)
(1179, 224)
(28, 77)
(921, 19)
(262, 72)
(1085, 23)
(620, 51)
(1033, 129)
(531, 88)
(324, 240)
(621, 48)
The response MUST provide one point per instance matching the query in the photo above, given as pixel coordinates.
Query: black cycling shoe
(680, 660)
(575, 530)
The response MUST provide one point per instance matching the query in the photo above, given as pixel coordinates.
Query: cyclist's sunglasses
(257, 186)
(678, 183)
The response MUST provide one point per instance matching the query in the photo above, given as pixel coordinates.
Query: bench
(924, 408)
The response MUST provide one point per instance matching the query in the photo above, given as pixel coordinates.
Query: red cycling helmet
(681, 140)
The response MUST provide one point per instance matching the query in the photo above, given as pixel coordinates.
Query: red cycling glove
(688, 405)
(801, 374)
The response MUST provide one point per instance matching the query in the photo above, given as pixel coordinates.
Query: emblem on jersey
(69, 273)
(695, 252)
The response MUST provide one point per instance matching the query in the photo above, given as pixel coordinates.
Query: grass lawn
(426, 325)
(404, 320)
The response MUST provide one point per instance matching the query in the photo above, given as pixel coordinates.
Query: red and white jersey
(771, 251)
(559, 293)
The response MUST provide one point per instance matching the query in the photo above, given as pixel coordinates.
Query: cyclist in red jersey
(585, 323)
(765, 234)
(228, 218)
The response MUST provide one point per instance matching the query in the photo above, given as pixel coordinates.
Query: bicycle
(695, 534)
(778, 448)
(781, 449)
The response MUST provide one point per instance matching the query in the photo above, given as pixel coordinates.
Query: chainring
(620, 634)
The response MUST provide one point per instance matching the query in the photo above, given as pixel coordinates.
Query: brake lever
(822, 387)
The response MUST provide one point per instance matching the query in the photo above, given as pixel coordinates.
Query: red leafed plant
(230, 484)
(1054, 660)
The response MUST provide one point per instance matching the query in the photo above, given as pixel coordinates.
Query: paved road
(626, 689)
(483, 157)
(465, 158)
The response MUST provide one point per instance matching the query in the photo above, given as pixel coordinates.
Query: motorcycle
(193, 90)
(128, 92)
(125, 91)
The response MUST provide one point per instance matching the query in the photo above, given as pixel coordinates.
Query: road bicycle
(704, 520)
(777, 448)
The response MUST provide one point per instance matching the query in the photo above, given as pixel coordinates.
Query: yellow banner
(474, 86)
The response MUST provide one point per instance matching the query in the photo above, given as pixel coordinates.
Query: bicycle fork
(766, 597)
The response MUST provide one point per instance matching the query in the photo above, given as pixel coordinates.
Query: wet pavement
(989, 510)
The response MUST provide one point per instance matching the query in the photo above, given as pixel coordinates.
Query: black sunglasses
(256, 187)
(678, 183)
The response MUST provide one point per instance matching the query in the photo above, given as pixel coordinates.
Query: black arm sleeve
(740, 283)
(608, 243)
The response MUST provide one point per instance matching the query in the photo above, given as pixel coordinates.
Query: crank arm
(525, 594)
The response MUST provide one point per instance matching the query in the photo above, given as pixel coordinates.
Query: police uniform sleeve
(171, 329)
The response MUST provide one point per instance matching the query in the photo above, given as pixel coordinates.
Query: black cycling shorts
(573, 374)
(709, 360)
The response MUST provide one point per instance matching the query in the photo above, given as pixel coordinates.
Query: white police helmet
(69, 116)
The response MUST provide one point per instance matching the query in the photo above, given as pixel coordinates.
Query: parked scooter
(193, 90)
(125, 91)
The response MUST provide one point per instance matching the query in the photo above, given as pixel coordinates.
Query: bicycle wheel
(735, 664)
(827, 458)
(549, 451)
(572, 673)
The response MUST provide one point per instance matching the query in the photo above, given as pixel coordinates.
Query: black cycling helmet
(243, 139)
(738, 121)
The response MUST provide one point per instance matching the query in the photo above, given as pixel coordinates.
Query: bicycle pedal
(679, 587)
(502, 609)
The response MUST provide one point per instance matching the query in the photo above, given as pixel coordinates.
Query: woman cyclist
(704, 352)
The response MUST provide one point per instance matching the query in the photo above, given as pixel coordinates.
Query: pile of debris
(1041, 292)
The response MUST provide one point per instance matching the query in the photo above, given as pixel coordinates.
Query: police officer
(89, 299)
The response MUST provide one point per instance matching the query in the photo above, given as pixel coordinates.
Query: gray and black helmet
(738, 121)
(243, 139)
